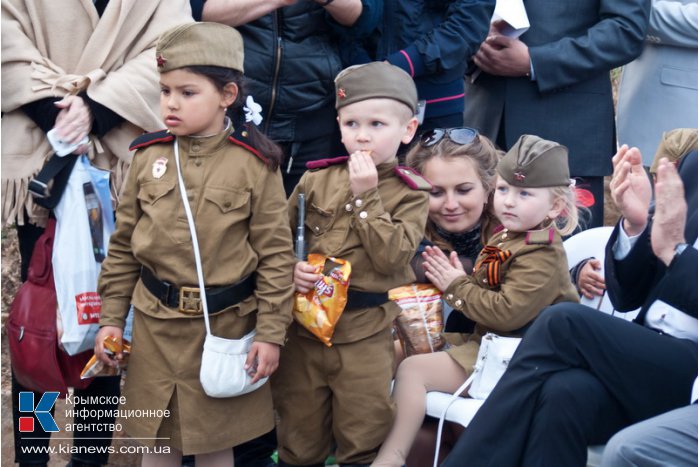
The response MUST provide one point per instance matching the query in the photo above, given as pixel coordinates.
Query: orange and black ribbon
(492, 259)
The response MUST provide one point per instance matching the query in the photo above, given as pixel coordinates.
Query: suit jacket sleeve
(617, 38)
(673, 23)
(452, 42)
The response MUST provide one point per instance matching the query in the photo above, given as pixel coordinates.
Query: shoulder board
(239, 137)
(412, 178)
(540, 237)
(323, 163)
(147, 139)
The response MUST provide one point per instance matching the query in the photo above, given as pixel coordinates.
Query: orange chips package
(419, 324)
(113, 346)
(319, 309)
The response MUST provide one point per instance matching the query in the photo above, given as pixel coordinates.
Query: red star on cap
(341, 93)
(519, 176)
(161, 61)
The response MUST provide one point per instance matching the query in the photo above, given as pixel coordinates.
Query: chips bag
(419, 324)
(94, 367)
(319, 309)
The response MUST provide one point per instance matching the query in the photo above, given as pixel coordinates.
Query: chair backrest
(587, 244)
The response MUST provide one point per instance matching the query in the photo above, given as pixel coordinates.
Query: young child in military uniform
(521, 270)
(369, 211)
(235, 192)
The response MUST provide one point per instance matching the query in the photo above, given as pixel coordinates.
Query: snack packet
(419, 324)
(319, 309)
(113, 346)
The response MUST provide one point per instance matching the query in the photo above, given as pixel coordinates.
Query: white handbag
(492, 360)
(222, 372)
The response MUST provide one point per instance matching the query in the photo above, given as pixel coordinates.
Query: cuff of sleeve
(409, 60)
(624, 243)
(266, 331)
(451, 296)
(365, 206)
(114, 313)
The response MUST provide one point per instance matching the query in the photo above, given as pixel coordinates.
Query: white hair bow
(252, 111)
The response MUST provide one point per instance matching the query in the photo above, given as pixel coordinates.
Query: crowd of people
(213, 117)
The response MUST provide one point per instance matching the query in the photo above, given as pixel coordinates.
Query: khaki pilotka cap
(193, 44)
(375, 80)
(534, 162)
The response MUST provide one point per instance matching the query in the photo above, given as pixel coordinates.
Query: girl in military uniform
(521, 270)
(234, 189)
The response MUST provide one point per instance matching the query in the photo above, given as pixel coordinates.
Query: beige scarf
(53, 48)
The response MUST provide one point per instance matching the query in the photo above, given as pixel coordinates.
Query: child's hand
(363, 172)
(305, 276)
(106, 358)
(263, 359)
(590, 282)
(440, 269)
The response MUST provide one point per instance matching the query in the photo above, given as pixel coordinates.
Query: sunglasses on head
(460, 135)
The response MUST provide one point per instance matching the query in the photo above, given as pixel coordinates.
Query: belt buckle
(190, 301)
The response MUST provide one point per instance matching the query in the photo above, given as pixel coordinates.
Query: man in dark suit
(554, 82)
(580, 375)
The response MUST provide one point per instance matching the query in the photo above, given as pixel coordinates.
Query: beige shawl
(52, 48)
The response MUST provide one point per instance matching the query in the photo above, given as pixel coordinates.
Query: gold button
(483, 280)
(458, 302)
(195, 147)
(358, 202)
(450, 296)
(363, 215)
(500, 244)
(227, 204)
(244, 134)
(317, 228)
(198, 162)
(348, 207)
(504, 236)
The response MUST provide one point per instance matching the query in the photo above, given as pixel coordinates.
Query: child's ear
(411, 128)
(558, 206)
(229, 94)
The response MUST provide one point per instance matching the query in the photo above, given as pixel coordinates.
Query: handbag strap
(453, 398)
(195, 242)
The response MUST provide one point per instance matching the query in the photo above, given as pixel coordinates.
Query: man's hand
(363, 172)
(503, 56)
(440, 269)
(305, 276)
(590, 282)
(263, 359)
(668, 226)
(630, 189)
(107, 359)
(74, 121)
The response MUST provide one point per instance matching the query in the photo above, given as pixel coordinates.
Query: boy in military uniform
(371, 212)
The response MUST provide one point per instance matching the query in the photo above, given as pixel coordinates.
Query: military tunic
(534, 276)
(242, 226)
(342, 393)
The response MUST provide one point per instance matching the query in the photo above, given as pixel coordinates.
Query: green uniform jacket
(533, 277)
(377, 231)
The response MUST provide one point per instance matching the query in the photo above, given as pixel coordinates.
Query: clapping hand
(440, 269)
(630, 189)
(667, 229)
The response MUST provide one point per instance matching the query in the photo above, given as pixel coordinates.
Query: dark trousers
(577, 377)
(27, 235)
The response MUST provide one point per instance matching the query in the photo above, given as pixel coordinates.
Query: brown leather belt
(188, 299)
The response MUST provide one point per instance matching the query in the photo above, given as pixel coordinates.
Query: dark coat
(573, 46)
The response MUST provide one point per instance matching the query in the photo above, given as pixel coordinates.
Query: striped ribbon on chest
(492, 258)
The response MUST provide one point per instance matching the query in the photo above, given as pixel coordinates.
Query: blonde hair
(481, 152)
(568, 219)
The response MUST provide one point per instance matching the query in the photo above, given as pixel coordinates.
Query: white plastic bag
(494, 356)
(75, 267)
(222, 373)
